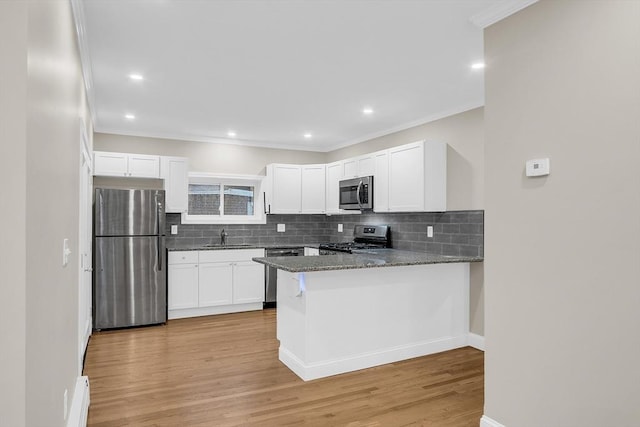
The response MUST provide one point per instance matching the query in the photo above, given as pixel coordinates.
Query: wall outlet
(429, 230)
(281, 228)
(340, 228)
(174, 229)
(66, 401)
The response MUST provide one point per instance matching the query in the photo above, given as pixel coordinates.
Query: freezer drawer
(129, 281)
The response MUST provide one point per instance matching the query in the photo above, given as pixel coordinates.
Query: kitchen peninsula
(341, 313)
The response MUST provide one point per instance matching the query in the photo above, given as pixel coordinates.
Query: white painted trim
(499, 12)
(488, 422)
(80, 404)
(208, 311)
(313, 371)
(203, 138)
(476, 341)
(85, 57)
(432, 118)
(305, 146)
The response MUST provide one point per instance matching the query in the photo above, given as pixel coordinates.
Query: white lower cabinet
(248, 282)
(184, 292)
(215, 284)
(220, 281)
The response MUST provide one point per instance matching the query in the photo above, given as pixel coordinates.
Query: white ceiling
(274, 70)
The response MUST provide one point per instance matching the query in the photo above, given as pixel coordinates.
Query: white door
(248, 282)
(313, 189)
(183, 286)
(84, 245)
(287, 189)
(215, 285)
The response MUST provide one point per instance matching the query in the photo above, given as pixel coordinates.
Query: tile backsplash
(455, 232)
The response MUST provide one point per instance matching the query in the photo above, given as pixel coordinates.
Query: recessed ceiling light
(129, 116)
(367, 110)
(307, 135)
(231, 134)
(478, 66)
(136, 76)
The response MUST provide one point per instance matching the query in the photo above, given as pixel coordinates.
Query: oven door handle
(358, 194)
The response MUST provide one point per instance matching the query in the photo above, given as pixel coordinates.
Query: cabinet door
(406, 178)
(313, 189)
(286, 189)
(216, 284)
(109, 164)
(381, 182)
(183, 286)
(350, 168)
(248, 282)
(144, 166)
(174, 171)
(334, 175)
(366, 166)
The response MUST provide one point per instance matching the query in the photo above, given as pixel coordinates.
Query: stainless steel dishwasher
(271, 273)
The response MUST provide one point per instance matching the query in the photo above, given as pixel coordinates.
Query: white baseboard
(327, 368)
(208, 311)
(79, 411)
(476, 341)
(488, 422)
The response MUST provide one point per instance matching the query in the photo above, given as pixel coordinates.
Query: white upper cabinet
(285, 188)
(175, 172)
(349, 168)
(296, 189)
(366, 165)
(313, 189)
(334, 175)
(126, 165)
(418, 177)
(381, 181)
(358, 166)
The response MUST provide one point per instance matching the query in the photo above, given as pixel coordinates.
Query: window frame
(255, 181)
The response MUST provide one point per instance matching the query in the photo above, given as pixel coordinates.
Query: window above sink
(224, 199)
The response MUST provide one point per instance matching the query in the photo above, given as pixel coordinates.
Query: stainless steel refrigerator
(129, 281)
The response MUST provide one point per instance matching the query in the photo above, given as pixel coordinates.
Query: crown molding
(405, 126)
(214, 140)
(281, 146)
(85, 58)
(499, 12)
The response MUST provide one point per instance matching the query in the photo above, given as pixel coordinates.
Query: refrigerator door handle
(160, 222)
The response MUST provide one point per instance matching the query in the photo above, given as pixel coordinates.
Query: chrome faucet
(223, 237)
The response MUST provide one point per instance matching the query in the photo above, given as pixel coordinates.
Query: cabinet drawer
(183, 257)
(224, 255)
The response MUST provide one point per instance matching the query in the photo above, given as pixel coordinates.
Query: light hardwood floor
(224, 371)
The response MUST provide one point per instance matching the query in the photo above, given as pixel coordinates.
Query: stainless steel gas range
(365, 238)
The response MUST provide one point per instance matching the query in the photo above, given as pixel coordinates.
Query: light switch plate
(340, 228)
(65, 252)
(538, 167)
(429, 230)
(174, 229)
(281, 228)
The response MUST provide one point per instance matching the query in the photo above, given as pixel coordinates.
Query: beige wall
(464, 133)
(13, 94)
(206, 156)
(562, 266)
(42, 98)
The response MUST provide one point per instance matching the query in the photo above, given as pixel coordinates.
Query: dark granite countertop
(192, 247)
(371, 259)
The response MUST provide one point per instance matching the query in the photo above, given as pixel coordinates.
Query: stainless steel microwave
(356, 193)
